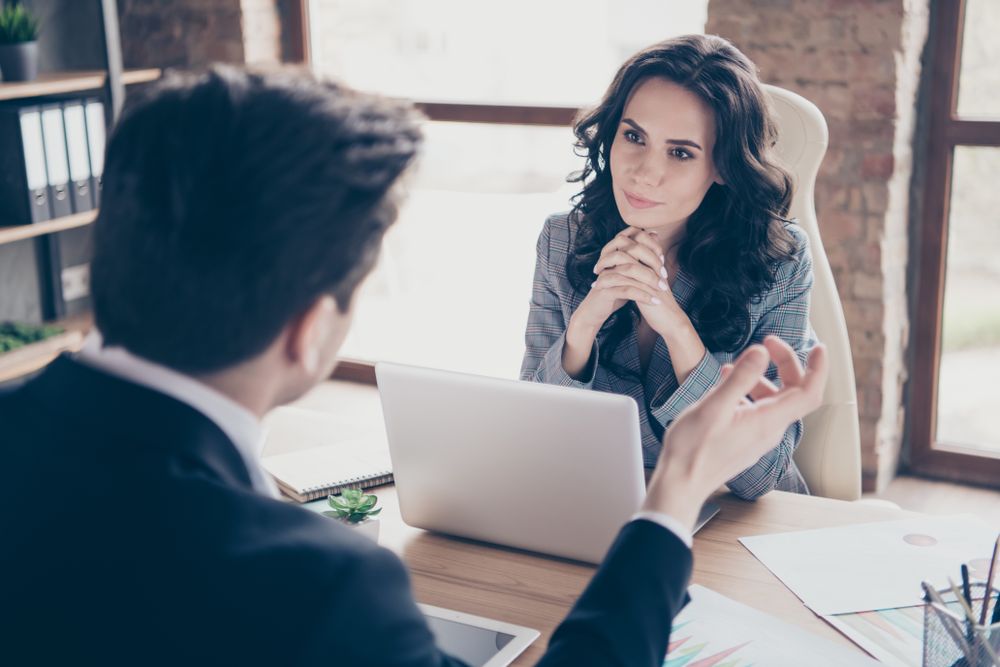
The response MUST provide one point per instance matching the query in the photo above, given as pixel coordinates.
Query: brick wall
(184, 33)
(859, 62)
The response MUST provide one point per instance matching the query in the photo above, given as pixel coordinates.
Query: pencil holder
(951, 641)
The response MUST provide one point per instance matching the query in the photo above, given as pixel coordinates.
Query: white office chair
(829, 455)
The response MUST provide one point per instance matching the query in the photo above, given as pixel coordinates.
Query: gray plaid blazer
(783, 311)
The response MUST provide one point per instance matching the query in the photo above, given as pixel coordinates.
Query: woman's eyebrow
(678, 142)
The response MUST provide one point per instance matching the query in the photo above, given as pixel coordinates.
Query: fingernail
(593, 283)
(662, 259)
(663, 272)
(664, 286)
(655, 301)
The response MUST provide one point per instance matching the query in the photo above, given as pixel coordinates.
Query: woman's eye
(681, 154)
(632, 137)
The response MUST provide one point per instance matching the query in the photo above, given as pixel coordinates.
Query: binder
(78, 151)
(56, 160)
(24, 196)
(94, 112)
(75, 250)
(24, 199)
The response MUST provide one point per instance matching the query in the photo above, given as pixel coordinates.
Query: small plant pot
(369, 528)
(19, 62)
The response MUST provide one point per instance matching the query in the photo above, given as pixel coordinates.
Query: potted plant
(18, 43)
(356, 509)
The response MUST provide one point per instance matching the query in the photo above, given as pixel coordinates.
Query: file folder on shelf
(75, 250)
(24, 196)
(78, 152)
(94, 112)
(56, 160)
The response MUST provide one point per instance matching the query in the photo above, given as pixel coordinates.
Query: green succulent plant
(353, 506)
(17, 25)
(14, 335)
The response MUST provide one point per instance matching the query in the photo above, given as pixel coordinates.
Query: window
(954, 396)
(501, 83)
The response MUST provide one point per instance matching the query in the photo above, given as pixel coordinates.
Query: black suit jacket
(129, 534)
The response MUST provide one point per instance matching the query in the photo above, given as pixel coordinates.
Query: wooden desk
(531, 590)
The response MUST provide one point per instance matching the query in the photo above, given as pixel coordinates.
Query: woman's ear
(718, 178)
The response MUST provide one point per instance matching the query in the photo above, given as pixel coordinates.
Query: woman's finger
(641, 249)
(623, 287)
(615, 278)
(642, 274)
(650, 258)
(613, 259)
(647, 240)
(621, 240)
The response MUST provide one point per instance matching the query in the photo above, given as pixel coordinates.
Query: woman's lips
(638, 202)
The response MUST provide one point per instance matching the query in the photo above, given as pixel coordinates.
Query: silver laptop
(527, 465)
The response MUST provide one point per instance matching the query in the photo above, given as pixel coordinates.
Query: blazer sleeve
(625, 614)
(545, 334)
(370, 618)
(786, 316)
(367, 615)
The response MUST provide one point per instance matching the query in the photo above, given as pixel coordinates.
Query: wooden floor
(934, 497)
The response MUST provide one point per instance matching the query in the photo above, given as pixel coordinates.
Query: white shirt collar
(238, 423)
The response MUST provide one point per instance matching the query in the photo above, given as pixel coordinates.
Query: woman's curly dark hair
(735, 239)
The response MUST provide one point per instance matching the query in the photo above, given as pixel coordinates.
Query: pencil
(966, 591)
(989, 587)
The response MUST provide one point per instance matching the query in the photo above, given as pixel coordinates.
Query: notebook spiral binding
(366, 482)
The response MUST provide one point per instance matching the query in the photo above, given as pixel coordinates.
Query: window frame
(357, 370)
(946, 132)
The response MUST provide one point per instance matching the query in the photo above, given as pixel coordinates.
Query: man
(239, 214)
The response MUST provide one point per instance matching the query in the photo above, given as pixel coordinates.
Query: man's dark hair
(232, 201)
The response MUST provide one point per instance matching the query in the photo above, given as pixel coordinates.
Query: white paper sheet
(714, 630)
(874, 565)
(895, 637)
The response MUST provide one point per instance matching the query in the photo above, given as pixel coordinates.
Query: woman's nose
(649, 171)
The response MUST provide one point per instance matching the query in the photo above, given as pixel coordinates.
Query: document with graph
(714, 631)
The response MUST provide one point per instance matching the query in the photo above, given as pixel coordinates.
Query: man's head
(241, 208)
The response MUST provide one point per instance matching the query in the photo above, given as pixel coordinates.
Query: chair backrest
(829, 455)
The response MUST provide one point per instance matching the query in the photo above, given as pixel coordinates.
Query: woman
(677, 254)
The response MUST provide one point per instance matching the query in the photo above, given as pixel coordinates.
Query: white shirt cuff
(682, 532)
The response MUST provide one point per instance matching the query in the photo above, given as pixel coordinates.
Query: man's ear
(308, 333)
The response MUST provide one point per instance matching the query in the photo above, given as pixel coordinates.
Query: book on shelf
(318, 453)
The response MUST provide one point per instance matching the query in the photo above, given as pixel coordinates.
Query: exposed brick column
(185, 33)
(859, 62)
(261, 32)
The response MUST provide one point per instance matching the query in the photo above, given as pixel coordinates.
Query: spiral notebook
(330, 454)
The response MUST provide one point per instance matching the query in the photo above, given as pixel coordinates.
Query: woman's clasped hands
(631, 267)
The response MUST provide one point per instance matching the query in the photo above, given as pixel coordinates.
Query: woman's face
(661, 157)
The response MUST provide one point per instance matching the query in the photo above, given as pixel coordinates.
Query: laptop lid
(550, 469)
